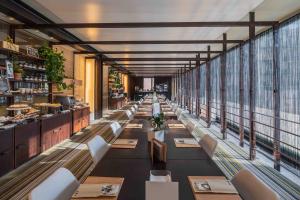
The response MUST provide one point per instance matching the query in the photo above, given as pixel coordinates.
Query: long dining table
(134, 165)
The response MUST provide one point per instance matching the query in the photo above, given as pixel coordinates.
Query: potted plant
(158, 121)
(54, 62)
(18, 72)
(158, 124)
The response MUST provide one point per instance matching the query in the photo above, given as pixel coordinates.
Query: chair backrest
(209, 144)
(174, 107)
(97, 147)
(60, 185)
(178, 111)
(160, 176)
(251, 188)
(156, 109)
(129, 114)
(132, 109)
(116, 128)
(162, 190)
(135, 106)
(190, 126)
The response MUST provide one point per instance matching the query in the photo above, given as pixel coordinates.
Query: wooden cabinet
(27, 142)
(55, 129)
(85, 117)
(81, 119)
(6, 151)
(77, 115)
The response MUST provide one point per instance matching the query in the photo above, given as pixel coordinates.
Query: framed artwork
(9, 69)
(4, 86)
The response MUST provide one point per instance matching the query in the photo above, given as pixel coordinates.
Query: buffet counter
(21, 142)
(116, 102)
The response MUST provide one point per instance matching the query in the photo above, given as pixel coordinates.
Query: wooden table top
(102, 180)
(211, 196)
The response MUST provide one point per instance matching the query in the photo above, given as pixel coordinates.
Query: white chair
(156, 109)
(190, 126)
(174, 107)
(116, 128)
(132, 109)
(160, 176)
(178, 112)
(129, 114)
(251, 188)
(135, 106)
(209, 145)
(60, 185)
(98, 148)
(162, 190)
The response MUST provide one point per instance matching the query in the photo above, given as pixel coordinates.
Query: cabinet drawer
(6, 151)
(27, 142)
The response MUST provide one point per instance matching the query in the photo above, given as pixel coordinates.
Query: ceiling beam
(152, 59)
(120, 42)
(155, 68)
(144, 52)
(143, 25)
(152, 64)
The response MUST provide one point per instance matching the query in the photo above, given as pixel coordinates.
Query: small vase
(18, 76)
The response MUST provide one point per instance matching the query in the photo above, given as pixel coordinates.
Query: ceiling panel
(77, 11)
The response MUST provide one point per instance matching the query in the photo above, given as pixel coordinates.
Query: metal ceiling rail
(151, 64)
(120, 42)
(143, 25)
(153, 59)
(144, 52)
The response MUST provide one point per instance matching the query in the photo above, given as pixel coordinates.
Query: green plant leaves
(54, 62)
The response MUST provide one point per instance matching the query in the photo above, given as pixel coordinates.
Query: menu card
(214, 186)
(96, 190)
(134, 126)
(186, 141)
(132, 142)
(176, 126)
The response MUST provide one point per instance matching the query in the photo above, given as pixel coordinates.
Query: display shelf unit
(37, 72)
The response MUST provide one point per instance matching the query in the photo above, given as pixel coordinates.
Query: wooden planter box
(9, 46)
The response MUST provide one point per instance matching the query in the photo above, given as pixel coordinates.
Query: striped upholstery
(72, 154)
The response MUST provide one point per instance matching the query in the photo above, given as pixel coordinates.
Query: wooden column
(185, 87)
(178, 88)
(181, 87)
(190, 82)
(252, 135)
(197, 84)
(208, 89)
(199, 75)
(223, 88)
(241, 97)
(276, 98)
(99, 88)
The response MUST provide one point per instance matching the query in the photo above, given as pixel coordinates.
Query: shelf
(33, 69)
(20, 54)
(36, 94)
(24, 81)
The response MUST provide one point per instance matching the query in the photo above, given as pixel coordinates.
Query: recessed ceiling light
(51, 38)
(11, 18)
